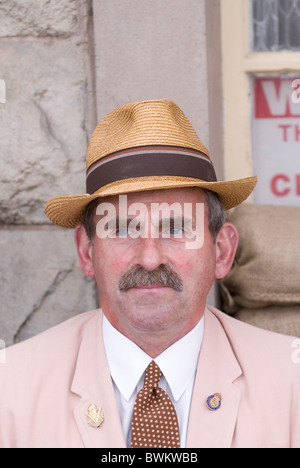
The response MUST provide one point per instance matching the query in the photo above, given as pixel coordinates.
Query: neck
(155, 342)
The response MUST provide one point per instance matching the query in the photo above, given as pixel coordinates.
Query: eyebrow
(178, 221)
(172, 221)
(115, 222)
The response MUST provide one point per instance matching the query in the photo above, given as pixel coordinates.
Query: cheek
(115, 264)
(185, 268)
(109, 265)
(198, 268)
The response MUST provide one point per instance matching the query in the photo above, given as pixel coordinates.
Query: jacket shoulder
(261, 347)
(47, 347)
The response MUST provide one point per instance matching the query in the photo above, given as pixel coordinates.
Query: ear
(84, 250)
(226, 245)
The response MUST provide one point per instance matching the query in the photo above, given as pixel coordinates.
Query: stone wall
(46, 61)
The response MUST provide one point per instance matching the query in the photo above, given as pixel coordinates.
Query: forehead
(181, 195)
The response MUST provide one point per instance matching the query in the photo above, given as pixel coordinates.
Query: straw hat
(146, 145)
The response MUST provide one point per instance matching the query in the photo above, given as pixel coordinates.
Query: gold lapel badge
(94, 416)
(214, 401)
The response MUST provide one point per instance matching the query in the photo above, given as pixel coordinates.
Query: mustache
(139, 276)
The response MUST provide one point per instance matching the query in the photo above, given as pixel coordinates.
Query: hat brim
(68, 211)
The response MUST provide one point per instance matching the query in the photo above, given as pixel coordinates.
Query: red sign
(276, 140)
(275, 98)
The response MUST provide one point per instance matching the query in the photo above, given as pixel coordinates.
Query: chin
(153, 318)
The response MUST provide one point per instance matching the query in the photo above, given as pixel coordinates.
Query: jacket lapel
(217, 370)
(92, 382)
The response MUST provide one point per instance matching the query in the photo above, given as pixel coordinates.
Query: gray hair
(217, 214)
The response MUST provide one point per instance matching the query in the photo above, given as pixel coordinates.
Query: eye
(173, 232)
(122, 232)
(176, 231)
(132, 231)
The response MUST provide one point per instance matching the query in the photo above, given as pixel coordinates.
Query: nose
(150, 254)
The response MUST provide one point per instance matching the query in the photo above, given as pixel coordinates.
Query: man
(156, 366)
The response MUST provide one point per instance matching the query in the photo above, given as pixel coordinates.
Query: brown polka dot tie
(154, 419)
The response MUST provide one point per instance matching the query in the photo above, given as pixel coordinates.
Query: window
(275, 25)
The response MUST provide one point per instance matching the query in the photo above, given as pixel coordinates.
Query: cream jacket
(49, 381)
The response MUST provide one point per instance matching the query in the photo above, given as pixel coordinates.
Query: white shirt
(127, 364)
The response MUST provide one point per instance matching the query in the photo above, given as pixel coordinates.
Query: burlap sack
(285, 320)
(266, 271)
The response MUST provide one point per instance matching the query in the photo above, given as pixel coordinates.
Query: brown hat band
(137, 162)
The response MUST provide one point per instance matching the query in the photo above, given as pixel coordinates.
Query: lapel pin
(214, 401)
(94, 416)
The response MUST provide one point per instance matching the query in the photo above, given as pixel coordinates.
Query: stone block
(43, 133)
(38, 17)
(152, 50)
(41, 282)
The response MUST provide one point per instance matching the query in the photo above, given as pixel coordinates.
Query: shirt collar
(178, 363)
(127, 362)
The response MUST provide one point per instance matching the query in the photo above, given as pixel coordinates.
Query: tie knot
(152, 375)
